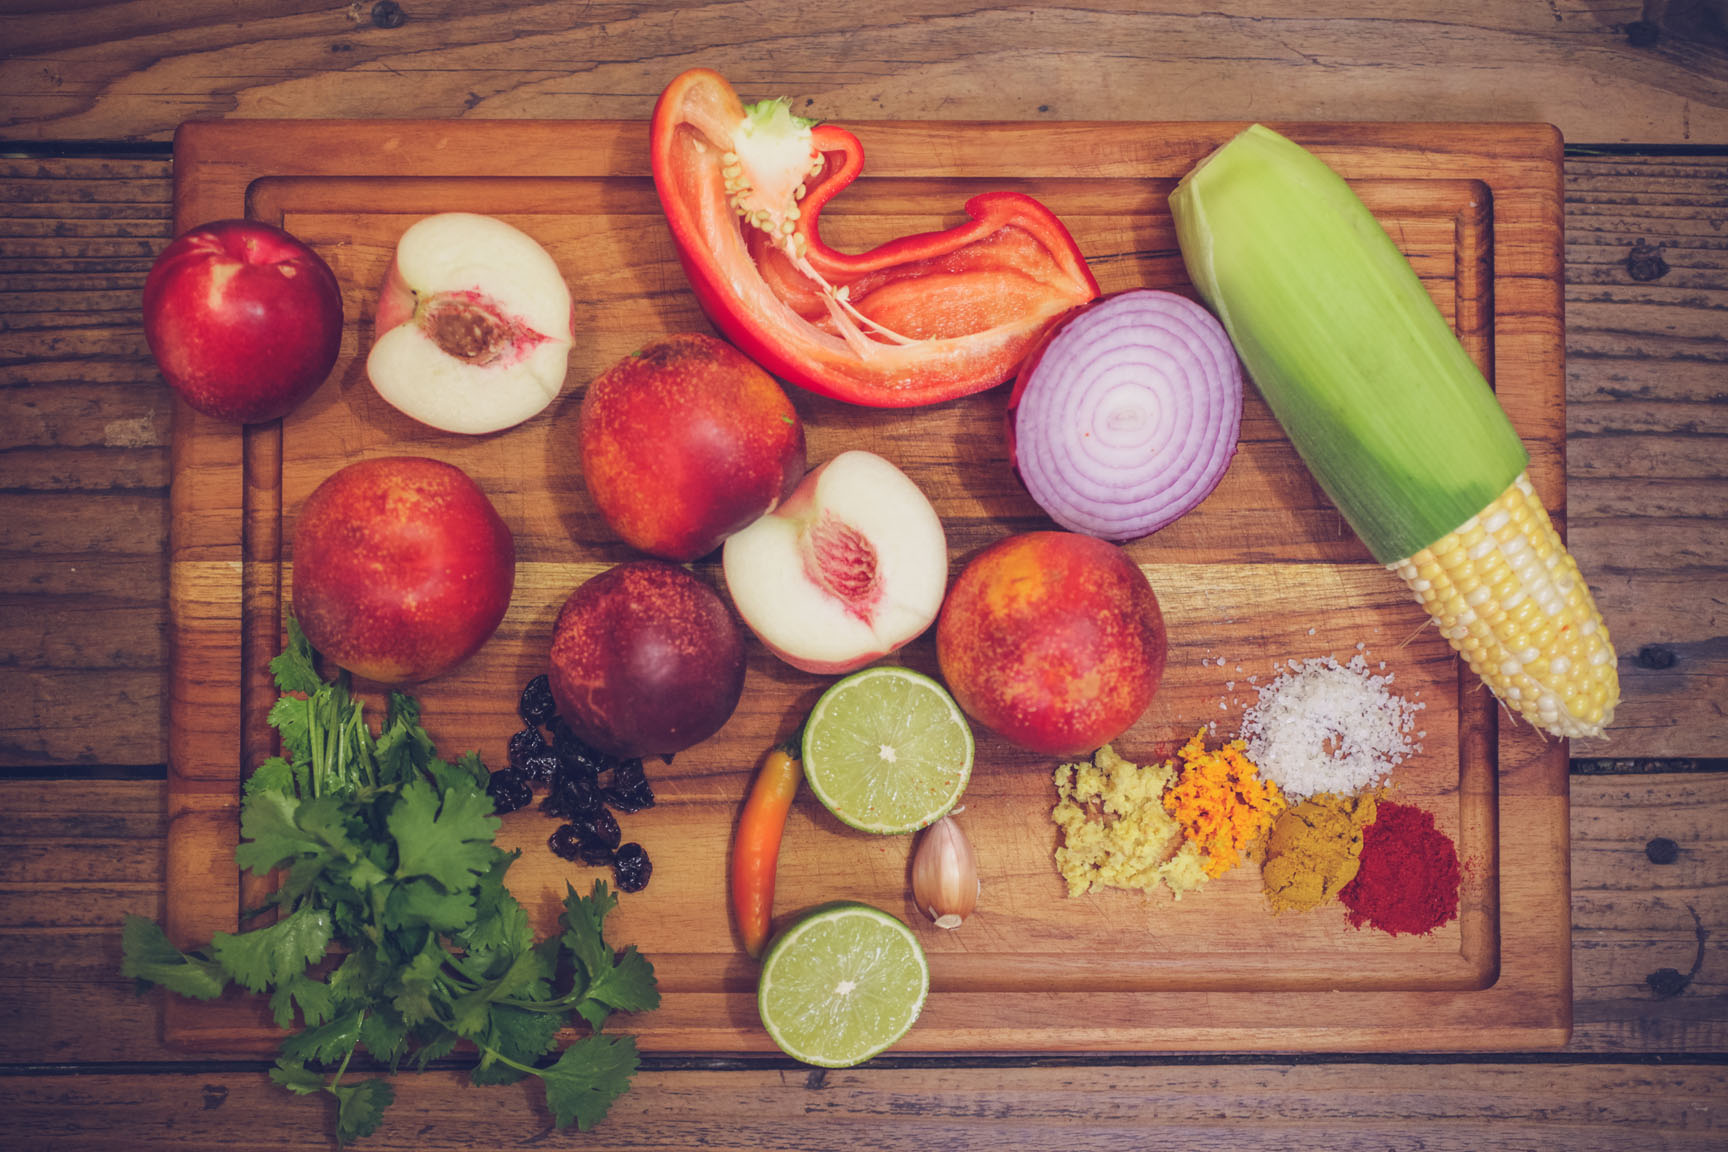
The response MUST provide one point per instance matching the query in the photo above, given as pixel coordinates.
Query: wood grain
(1261, 574)
(1603, 72)
(1226, 1108)
(75, 855)
(1647, 438)
(85, 422)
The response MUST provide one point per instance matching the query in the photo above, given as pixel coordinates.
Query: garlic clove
(945, 874)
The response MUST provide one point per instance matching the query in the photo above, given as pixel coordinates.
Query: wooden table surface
(90, 94)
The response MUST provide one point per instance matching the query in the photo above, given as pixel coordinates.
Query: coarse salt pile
(1329, 727)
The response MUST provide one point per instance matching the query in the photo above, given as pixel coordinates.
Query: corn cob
(1395, 421)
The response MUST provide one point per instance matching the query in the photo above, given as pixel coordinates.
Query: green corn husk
(1355, 360)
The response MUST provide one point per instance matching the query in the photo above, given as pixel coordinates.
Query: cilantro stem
(346, 1056)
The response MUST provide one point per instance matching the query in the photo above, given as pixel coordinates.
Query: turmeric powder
(1221, 802)
(1314, 850)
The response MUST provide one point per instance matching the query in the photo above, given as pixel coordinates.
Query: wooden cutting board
(1263, 573)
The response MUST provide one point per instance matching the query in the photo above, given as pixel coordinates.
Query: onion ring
(1125, 417)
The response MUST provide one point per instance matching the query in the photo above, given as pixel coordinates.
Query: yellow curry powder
(1314, 850)
(1221, 802)
(1116, 833)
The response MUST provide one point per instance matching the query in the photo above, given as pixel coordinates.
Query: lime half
(887, 750)
(840, 985)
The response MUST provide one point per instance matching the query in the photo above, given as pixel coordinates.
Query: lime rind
(887, 750)
(841, 985)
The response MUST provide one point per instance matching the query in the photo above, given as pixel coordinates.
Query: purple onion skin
(1047, 454)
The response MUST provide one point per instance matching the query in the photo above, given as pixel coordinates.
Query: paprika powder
(1407, 883)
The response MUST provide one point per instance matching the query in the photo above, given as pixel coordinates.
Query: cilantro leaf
(297, 1077)
(626, 981)
(384, 1035)
(291, 716)
(465, 770)
(590, 1074)
(328, 1042)
(413, 987)
(273, 775)
(501, 927)
(296, 667)
(277, 953)
(450, 842)
(269, 834)
(516, 1035)
(629, 985)
(360, 1107)
(582, 918)
(311, 997)
(147, 955)
(425, 903)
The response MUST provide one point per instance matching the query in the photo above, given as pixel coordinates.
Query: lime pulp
(842, 984)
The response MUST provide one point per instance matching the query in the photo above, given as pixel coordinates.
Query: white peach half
(474, 327)
(847, 569)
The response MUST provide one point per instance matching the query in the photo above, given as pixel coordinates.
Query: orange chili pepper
(756, 847)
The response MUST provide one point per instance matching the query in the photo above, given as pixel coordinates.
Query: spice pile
(1329, 727)
(1315, 850)
(1303, 779)
(1408, 881)
(1182, 822)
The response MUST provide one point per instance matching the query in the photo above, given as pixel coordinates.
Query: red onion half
(1126, 415)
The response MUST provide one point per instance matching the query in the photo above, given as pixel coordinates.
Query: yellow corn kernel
(1504, 590)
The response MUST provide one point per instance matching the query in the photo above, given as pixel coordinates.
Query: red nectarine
(646, 660)
(685, 442)
(244, 320)
(1054, 640)
(402, 568)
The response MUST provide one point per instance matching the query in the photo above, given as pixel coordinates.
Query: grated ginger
(1115, 832)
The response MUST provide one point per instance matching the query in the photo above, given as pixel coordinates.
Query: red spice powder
(1408, 881)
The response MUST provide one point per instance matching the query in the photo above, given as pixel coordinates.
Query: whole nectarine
(245, 321)
(1054, 640)
(685, 442)
(402, 568)
(646, 660)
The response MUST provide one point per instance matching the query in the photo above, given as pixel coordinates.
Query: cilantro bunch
(394, 932)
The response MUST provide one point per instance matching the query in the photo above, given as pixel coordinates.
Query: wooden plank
(1647, 439)
(75, 857)
(84, 433)
(1350, 1108)
(1622, 72)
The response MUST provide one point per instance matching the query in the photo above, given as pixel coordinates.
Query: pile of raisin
(583, 788)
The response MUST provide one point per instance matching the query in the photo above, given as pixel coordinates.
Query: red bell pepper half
(920, 319)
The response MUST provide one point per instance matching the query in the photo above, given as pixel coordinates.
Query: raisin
(594, 855)
(629, 790)
(565, 842)
(577, 755)
(509, 790)
(631, 868)
(526, 743)
(541, 768)
(572, 798)
(537, 705)
(600, 828)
